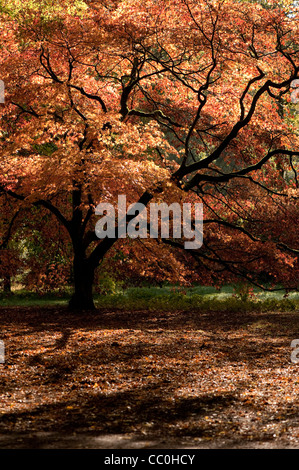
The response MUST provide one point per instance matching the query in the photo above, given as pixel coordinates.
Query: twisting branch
(227, 177)
(6, 239)
(240, 124)
(41, 202)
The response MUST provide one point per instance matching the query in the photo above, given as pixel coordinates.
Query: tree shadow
(147, 405)
(119, 413)
(53, 318)
(216, 328)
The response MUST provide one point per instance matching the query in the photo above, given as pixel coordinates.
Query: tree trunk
(82, 299)
(84, 268)
(7, 284)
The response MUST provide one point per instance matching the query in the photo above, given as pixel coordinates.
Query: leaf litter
(185, 376)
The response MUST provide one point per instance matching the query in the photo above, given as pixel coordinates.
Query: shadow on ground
(171, 380)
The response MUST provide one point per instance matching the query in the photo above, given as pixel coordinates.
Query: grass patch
(166, 298)
(31, 299)
(146, 300)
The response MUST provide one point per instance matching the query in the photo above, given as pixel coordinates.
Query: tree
(170, 100)
(10, 262)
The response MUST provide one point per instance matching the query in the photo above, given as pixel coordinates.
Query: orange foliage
(178, 99)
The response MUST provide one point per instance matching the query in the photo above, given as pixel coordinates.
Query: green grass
(30, 299)
(167, 298)
(199, 298)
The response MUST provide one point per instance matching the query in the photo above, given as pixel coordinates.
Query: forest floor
(123, 379)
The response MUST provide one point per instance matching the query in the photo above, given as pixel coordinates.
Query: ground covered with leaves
(129, 379)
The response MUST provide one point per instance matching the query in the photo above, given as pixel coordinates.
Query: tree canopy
(172, 100)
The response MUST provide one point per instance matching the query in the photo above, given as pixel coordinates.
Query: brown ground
(116, 379)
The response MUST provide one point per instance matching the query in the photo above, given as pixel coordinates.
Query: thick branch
(41, 202)
(227, 177)
(242, 122)
(101, 249)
